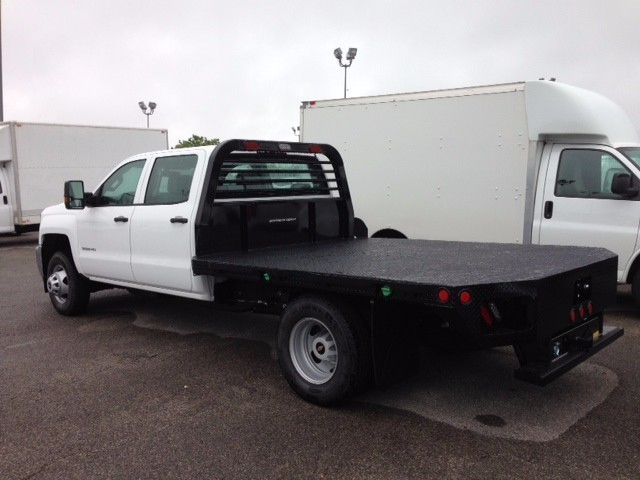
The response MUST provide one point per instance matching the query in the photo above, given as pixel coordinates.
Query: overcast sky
(240, 68)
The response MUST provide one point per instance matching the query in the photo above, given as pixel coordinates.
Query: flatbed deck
(406, 262)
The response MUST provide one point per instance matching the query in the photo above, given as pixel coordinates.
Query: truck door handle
(4, 199)
(178, 220)
(121, 219)
(548, 209)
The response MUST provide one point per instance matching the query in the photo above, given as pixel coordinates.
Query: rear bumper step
(541, 373)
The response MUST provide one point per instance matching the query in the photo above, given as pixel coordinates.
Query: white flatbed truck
(268, 226)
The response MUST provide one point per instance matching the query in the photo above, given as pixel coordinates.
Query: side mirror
(621, 185)
(74, 195)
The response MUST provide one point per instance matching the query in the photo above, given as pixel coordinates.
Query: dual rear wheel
(324, 349)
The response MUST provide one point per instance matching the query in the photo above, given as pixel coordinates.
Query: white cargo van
(35, 158)
(530, 162)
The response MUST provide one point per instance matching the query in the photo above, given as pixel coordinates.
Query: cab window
(246, 177)
(170, 180)
(588, 174)
(120, 187)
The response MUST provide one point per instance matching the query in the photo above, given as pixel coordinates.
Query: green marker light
(266, 277)
(386, 291)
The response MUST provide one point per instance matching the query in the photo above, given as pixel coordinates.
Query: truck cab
(588, 195)
(140, 213)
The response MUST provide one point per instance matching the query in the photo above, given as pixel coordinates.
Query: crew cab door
(162, 227)
(103, 230)
(579, 207)
(6, 210)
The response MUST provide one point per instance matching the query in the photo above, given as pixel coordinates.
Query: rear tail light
(490, 314)
(444, 296)
(581, 312)
(465, 297)
(487, 316)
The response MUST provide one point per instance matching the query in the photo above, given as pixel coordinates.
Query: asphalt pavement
(148, 386)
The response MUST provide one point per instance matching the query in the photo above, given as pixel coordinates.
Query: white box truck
(35, 158)
(530, 162)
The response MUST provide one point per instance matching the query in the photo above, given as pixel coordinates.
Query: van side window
(120, 187)
(170, 180)
(587, 174)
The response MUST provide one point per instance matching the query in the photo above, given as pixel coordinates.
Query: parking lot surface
(155, 387)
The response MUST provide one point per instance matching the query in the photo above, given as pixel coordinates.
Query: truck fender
(61, 237)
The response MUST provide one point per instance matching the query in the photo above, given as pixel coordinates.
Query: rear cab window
(251, 175)
(170, 180)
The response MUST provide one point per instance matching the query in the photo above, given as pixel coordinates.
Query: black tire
(313, 330)
(68, 290)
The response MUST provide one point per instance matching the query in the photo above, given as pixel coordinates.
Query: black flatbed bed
(361, 262)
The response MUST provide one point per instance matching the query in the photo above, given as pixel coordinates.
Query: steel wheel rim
(58, 284)
(313, 351)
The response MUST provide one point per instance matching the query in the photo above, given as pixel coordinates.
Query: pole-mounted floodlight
(351, 54)
(147, 111)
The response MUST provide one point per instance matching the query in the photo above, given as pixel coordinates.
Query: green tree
(197, 141)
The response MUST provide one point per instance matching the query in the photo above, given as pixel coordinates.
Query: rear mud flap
(395, 346)
(574, 347)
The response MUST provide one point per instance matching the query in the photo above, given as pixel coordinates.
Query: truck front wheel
(323, 349)
(68, 290)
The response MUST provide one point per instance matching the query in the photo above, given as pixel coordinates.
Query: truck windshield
(633, 154)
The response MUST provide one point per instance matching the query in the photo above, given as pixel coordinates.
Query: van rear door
(6, 210)
(579, 207)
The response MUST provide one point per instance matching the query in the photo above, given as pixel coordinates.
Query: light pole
(147, 111)
(1, 92)
(351, 54)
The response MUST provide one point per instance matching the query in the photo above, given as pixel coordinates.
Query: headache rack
(260, 194)
(257, 174)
